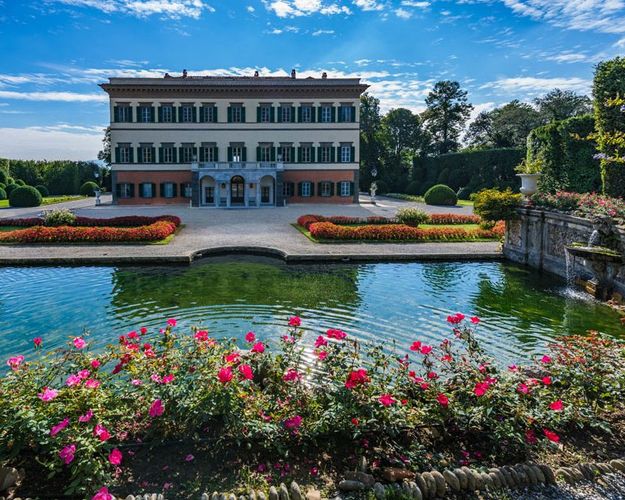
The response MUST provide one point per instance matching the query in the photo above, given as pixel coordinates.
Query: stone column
(196, 193)
(228, 193)
(217, 193)
(258, 194)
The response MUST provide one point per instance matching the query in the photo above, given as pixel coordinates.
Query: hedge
(442, 219)
(474, 170)
(25, 196)
(124, 221)
(567, 155)
(609, 83)
(440, 194)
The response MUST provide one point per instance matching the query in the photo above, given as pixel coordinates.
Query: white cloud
(34, 143)
(417, 5)
(53, 96)
(532, 85)
(323, 32)
(481, 107)
(403, 13)
(296, 8)
(250, 9)
(173, 9)
(368, 4)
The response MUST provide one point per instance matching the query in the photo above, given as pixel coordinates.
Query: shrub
(2, 186)
(440, 194)
(413, 187)
(382, 187)
(20, 182)
(454, 219)
(587, 205)
(10, 187)
(495, 205)
(3, 194)
(560, 201)
(125, 221)
(4, 176)
(59, 217)
(43, 191)
(88, 188)
(24, 196)
(464, 193)
(412, 216)
(10, 180)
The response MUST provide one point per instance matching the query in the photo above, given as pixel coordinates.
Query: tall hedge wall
(609, 83)
(474, 170)
(567, 155)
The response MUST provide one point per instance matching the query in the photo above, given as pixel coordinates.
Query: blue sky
(53, 53)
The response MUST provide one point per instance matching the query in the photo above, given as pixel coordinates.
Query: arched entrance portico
(237, 190)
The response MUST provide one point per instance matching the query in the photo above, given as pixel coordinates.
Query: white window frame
(187, 154)
(326, 114)
(146, 114)
(237, 151)
(286, 113)
(307, 114)
(168, 154)
(208, 113)
(285, 152)
(168, 190)
(306, 154)
(306, 189)
(187, 190)
(265, 153)
(265, 114)
(344, 187)
(325, 154)
(149, 186)
(186, 114)
(124, 113)
(124, 191)
(346, 113)
(124, 154)
(209, 154)
(167, 113)
(326, 189)
(236, 114)
(346, 154)
(146, 154)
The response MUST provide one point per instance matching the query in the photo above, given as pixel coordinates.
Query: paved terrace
(265, 231)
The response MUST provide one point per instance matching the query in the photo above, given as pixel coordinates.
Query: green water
(521, 310)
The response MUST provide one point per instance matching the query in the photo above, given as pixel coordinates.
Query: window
(307, 114)
(209, 113)
(145, 114)
(287, 189)
(209, 154)
(167, 113)
(168, 154)
(285, 113)
(326, 189)
(285, 153)
(306, 154)
(264, 153)
(125, 190)
(124, 154)
(265, 194)
(237, 154)
(168, 190)
(265, 113)
(124, 113)
(186, 189)
(186, 114)
(146, 190)
(346, 153)
(325, 155)
(345, 114)
(187, 153)
(306, 189)
(146, 154)
(236, 113)
(326, 114)
(345, 188)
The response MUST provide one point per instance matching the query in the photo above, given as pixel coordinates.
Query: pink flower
(523, 389)
(321, 341)
(86, 417)
(547, 380)
(171, 322)
(551, 436)
(189, 458)
(246, 372)
(426, 349)
(67, 454)
(333, 333)
(73, 380)
(201, 336)
(416, 346)
(545, 359)
(442, 400)
(481, 388)
(288, 339)
(258, 347)
(48, 394)
(136, 382)
(83, 374)
(167, 378)
(79, 343)
(295, 321)
(14, 362)
(232, 358)
(115, 457)
(37, 341)
(156, 410)
(95, 364)
(557, 405)
(156, 378)
(513, 368)
(291, 376)
(101, 432)
(475, 320)
(103, 494)
(530, 437)
(225, 375)
(250, 337)
(59, 427)
(143, 330)
(455, 318)
(293, 422)
(386, 399)
(314, 471)
(92, 383)
(356, 378)
(322, 355)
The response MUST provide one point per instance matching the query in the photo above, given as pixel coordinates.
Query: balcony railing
(225, 165)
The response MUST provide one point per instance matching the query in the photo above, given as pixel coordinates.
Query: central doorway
(237, 190)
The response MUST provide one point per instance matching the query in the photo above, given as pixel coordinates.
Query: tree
(504, 127)
(446, 114)
(370, 141)
(562, 104)
(105, 154)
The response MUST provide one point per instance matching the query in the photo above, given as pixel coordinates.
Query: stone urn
(529, 184)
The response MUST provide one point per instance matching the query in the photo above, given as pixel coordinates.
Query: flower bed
(126, 221)
(443, 219)
(585, 205)
(84, 415)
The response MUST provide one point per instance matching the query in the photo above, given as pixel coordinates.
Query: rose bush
(587, 205)
(81, 413)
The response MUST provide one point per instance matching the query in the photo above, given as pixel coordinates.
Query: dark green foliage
(2, 185)
(25, 196)
(494, 205)
(567, 155)
(4, 176)
(412, 187)
(20, 182)
(88, 188)
(43, 191)
(3, 194)
(382, 187)
(474, 170)
(10, 187)
(464, 193)
(609, 83)
(440, 194)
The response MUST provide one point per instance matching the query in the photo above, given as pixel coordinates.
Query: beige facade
(250, 129)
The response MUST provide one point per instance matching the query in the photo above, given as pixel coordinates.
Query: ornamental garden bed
(73, 229)
(436, 228)
(183, 413)
(48, 200)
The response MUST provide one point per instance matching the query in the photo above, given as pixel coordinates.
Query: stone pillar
(279, 189)
(195, 189)
(228, 192)
(258, 194)
(217, 193)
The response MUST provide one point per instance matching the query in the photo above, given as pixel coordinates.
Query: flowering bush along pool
(85, 229)
(84, 415)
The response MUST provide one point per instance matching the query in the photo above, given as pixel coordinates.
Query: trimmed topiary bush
(413, 187)
(43, 191)
(412, 216)
(89, 188)
(3, 194)
(20, 182)
(440, 194)
(24, 196)
(4, 177)
(494, 205)
(10, 187)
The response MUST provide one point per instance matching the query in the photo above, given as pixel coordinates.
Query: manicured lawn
(50, 200)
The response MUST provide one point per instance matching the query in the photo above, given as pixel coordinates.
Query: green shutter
(299, 114)
(312, 188)
(180, 156)
(333, 114)
(340, 114)
(131, 155)
(194, 114)
(299, 155)
(279, 114)
(293, 120)
(242, 114)
(139, 155)
(244, 154)
(299, 189)
(115, 114)
(117, 155)
(194, 153)
(174, 154)
(258, 153)
(162, 190)
(160, 114)
(229, 153)
(229, 114)
(153, 154)
(175, 189)
(332, 189)
(351, 188)
(352, 154)
(272, 114)
(319, 188)
(201, 155)
(216, 150)
(202, 114)
(258, 114)
(152, 114)
(353, 114)
(215, 114)
(292, 154)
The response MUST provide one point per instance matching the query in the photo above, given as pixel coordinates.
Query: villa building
(234, 141)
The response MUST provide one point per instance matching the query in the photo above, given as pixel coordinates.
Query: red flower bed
(126, 221)
(447, 219)
(454, 219)
(399, 232)
(158, 230)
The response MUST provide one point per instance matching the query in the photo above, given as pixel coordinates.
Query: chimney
(256, 75)
(184, 73)
(324, 75)
(293, 74)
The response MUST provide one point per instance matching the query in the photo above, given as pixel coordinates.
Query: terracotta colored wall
(156, 177)
(296, 176)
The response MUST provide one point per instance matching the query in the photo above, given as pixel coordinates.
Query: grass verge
(50, 200)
